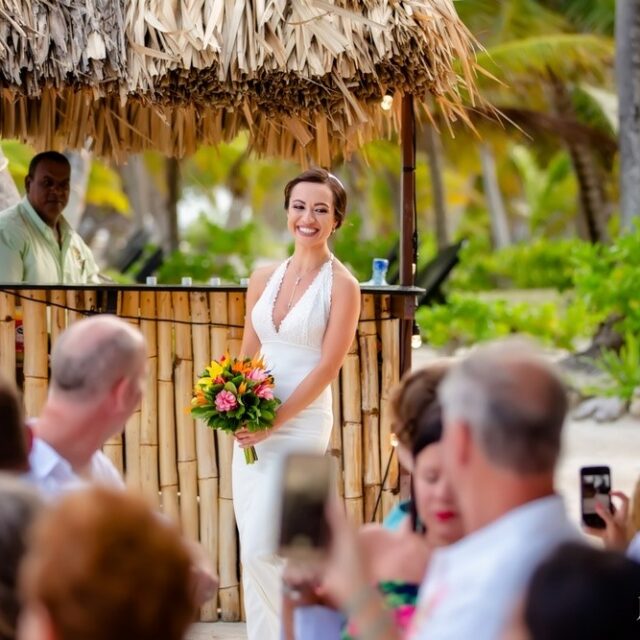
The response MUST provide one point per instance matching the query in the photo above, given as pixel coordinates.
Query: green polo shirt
(29, 250)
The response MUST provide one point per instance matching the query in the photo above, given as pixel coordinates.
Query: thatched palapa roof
(304, 77)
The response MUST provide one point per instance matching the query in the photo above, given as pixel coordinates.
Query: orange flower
(242, 388)
(199, 399)
(238, 367)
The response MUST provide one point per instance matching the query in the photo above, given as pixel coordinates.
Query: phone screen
(595, 487)
(306, 485)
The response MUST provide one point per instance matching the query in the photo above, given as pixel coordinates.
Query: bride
(302, 315)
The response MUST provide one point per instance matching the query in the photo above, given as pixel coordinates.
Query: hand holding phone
(306, 486)
(595, 488)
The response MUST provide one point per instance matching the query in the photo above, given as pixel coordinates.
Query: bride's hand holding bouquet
(236, 396)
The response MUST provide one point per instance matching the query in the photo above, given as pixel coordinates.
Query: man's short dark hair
(51, 156)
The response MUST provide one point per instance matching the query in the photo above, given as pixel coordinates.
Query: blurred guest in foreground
(503, 409)
(14, 436)
(583, 593)
(19, 505)
(102, 565)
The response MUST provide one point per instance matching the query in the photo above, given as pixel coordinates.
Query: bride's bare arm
(257, 282)
(341, 328)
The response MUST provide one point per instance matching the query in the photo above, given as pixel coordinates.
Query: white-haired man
(504, 408)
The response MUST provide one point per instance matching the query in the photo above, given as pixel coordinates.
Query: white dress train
(291, 352)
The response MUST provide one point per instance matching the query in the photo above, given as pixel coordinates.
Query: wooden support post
(408, 232)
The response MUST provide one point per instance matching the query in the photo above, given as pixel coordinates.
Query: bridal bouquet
(231, 394)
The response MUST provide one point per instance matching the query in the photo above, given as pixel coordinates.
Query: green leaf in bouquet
(229, 386)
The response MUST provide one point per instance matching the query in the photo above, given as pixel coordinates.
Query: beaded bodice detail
(305, 323)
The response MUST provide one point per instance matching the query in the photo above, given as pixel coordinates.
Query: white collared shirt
(53, 475)
(472, 587)
(30, 251)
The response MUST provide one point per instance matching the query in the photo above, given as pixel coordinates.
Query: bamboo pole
(167, 410)
(185, 427)
(205, 447)
(113, 448)
(352, 435)
(58, 299)
(75, 300)
(149, 480)
(90, 300)
(129, 305)
(336, 436)
(389, 378)
(8, 335)
(368, 342)
(36, 350)
(229, 581)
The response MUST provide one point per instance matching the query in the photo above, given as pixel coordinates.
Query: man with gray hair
(97, 378)
(98, 371)
(503, 409)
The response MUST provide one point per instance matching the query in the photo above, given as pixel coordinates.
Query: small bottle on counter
(379, 269)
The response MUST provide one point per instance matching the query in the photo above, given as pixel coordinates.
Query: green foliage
(607, 279)
(566, 54)
(19, 155)
(621, 369)
(465, 320)
(549, 190)
(538, 264)
(211, 250)
(357, 252)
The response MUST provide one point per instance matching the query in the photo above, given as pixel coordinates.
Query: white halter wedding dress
(291, 351)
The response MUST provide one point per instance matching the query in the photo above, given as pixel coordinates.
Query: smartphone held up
(306, 487)
(595, 488)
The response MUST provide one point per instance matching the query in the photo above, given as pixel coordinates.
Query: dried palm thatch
(304, 77)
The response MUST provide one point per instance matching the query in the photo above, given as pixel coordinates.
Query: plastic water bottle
(379, 267)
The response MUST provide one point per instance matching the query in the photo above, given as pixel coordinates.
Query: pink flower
(219, 380)
(403, 615)
(226, 401)
(257, 375)
(264, 392)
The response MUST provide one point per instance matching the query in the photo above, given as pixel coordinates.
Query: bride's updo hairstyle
(322, 176)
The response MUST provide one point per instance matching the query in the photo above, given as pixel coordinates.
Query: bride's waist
(289, 364)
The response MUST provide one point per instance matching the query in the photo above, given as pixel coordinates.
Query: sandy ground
(616, 444)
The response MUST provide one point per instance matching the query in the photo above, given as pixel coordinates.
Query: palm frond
(567, 55)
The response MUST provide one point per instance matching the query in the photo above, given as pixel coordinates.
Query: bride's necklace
(298, 279)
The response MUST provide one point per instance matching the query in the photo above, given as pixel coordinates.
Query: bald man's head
(94, 354)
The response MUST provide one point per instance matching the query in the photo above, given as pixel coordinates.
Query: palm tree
(543, 59)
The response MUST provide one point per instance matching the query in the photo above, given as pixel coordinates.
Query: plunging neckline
(297, 302)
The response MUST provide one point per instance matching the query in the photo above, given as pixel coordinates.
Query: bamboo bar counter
(183, 467)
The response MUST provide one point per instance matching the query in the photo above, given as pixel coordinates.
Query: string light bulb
(387, 102)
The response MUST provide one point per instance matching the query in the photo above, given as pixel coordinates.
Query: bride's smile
(311, 212)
